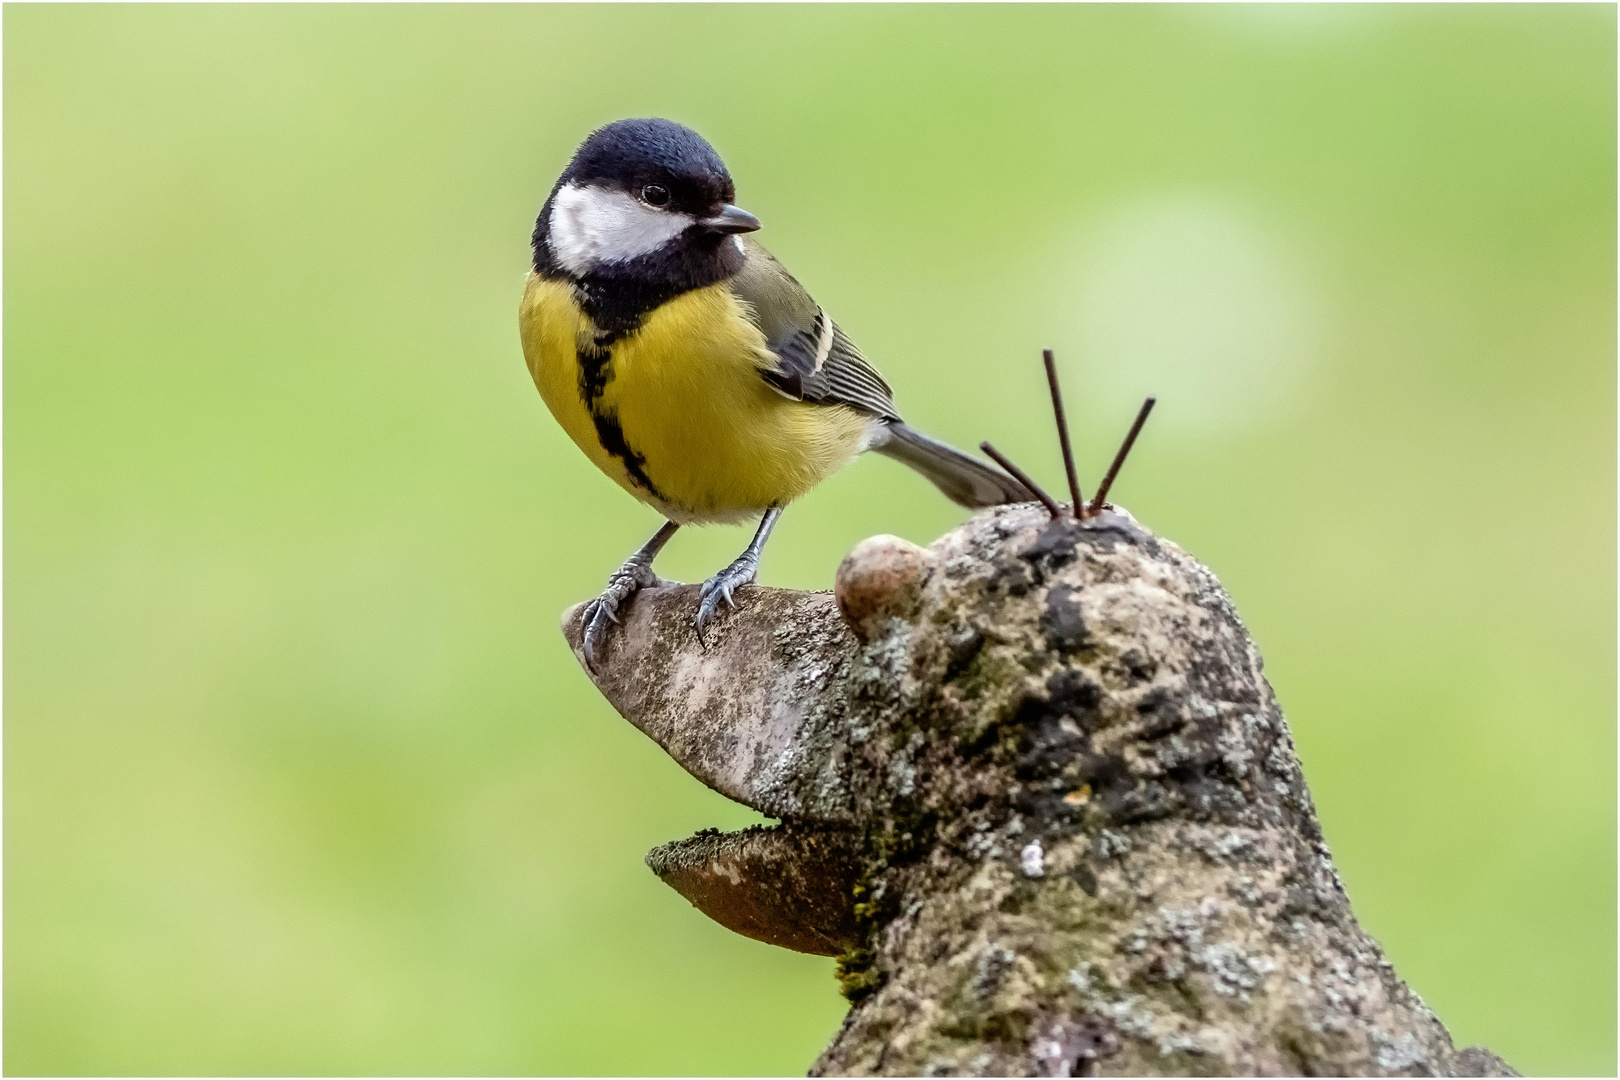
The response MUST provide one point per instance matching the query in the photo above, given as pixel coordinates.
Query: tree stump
(1037, 797)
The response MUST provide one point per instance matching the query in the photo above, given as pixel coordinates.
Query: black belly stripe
(595, 371)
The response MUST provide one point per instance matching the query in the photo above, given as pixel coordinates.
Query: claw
(595, 630)
(603, 612)
(722, 588)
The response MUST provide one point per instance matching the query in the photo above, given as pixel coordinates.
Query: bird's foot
(721, 586)
(603, 612)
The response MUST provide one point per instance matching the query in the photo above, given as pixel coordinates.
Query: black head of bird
(646, 199)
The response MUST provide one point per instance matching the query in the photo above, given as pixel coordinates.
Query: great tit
(690, 366)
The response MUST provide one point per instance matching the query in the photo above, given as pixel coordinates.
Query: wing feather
(815, 360)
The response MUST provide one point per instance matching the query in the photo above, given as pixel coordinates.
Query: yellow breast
(676, 412)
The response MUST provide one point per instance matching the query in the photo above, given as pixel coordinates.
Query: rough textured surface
(1082, 842)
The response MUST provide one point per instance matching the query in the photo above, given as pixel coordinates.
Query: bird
(691, 367)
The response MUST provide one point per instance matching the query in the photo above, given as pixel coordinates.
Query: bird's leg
(741, 572)
(627, 580)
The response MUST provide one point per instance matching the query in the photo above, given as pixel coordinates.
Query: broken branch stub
(1038, 797)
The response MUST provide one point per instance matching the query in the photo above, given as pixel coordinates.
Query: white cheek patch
(592, 227)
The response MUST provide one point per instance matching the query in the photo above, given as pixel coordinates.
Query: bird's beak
(730, 219)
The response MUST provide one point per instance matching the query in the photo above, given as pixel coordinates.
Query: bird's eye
(655, 195)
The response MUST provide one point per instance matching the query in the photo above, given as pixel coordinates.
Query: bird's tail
(965, 481)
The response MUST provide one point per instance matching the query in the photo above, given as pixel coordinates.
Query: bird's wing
(815, 360)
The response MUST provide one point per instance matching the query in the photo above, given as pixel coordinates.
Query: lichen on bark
(1042, 802)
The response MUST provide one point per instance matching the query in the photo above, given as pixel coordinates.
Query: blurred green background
(299, 774)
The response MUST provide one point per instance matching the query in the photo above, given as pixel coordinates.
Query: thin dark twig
(1119, 458)
(1018, 474)
(1078, 506)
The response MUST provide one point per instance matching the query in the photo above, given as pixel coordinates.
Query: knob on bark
(881, 578)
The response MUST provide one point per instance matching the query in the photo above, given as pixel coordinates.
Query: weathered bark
(1038, 797)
